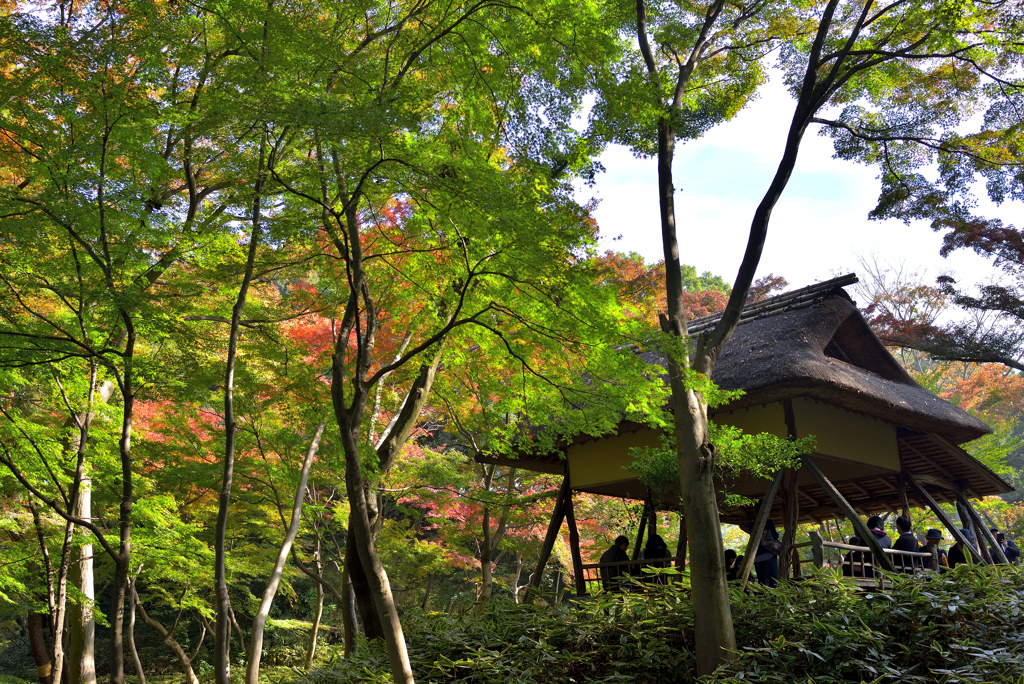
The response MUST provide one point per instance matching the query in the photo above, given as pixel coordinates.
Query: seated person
(730, 565)
(857, 563)
(958, 554)
(905, 542)
(656, 551)
(610, 577)
(1009, 548)
(933, 538)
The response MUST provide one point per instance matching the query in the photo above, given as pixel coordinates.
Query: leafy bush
(964, 626)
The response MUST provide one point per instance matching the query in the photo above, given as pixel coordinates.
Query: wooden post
(817, 549)
(557, 515)
(903, 498)
(859, 526)
(574, 547)
(934, 550)
(759, 522)
(792, 515)
(968, 524)
(640, 533)
(941, 514)
(681, 544)
(996, 549)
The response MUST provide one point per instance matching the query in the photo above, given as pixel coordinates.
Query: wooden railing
(625, 571)
(856, 563)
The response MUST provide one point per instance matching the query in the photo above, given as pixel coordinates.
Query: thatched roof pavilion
(810, 364)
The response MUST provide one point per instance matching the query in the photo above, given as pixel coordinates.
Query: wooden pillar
(996, 549)
(758, 529)
(681, 544)
(640, 533)
(904, 502)
(792, 515)
(817, 549)
(940, 514)
(557, 515)
(859, 526)
(574, 547)
(967, 521)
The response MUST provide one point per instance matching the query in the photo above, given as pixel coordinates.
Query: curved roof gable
(828, 351)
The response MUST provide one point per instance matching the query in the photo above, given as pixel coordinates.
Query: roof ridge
(796, 299)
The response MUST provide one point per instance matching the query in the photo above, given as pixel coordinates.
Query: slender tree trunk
(317, 616)
(81, 625)
(252, 671)
(222, 630)
(136, 661)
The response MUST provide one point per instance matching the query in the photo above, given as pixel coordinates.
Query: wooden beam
(574, 547)
(759, 522)
(940, 514)
(879, 557)
(792, 515)
(557, 515)
(941, 482)
(640, 533)
(681, 544)
(904, 503)
(968, 523)
(993, 545)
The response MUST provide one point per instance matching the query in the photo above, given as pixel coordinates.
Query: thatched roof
(827, 351)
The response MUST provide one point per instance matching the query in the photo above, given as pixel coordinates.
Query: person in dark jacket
(877, 529)
(655, 551)
(1009, 548)
(958, 554)
(730, 565)
(611, 577)
(933, 537)
(905, 542)
(766, 560)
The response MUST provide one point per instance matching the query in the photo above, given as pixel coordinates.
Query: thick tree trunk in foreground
(37, 642)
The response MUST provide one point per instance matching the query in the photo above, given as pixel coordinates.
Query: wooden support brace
(574, 547)
(859, 526)
(792, 515)
(759, 522)
(681, 544)
(903, 498)
(557, 515)
(993, 545)
(968, 524)
(941, 514)
(640, 533)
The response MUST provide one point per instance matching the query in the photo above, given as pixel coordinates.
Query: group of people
(766, 559)
(859, 563)
(655, 554)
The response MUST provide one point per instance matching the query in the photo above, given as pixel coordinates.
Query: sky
(817, 230)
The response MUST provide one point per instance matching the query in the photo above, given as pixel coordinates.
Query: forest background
(228, 227)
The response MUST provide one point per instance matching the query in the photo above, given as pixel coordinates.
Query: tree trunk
(252, 670)
(136, 661)
(348, 612)
(81, 625)
(360, 590)
(222, 630)
(37, 642)
(315, 629)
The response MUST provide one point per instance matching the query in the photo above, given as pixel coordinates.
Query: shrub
(964, 626)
